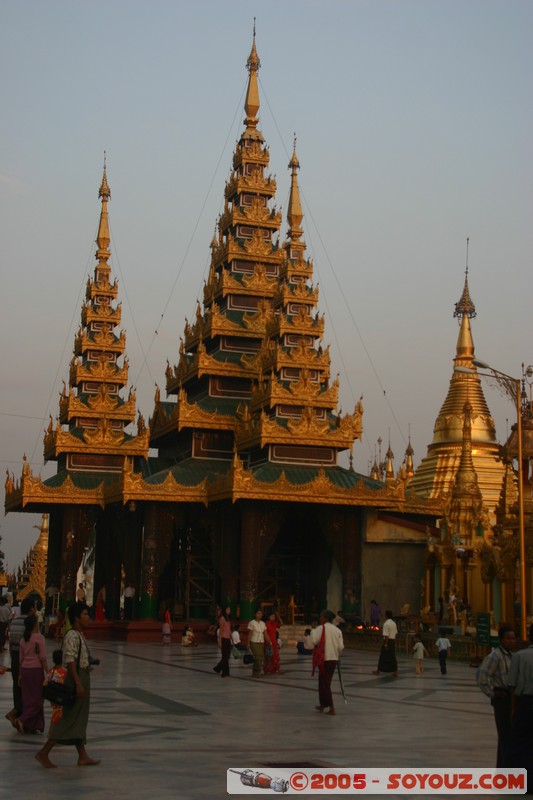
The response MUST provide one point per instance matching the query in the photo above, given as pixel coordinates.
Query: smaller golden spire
(294, 214)
(465, 306)
(251, 103)
(103, 239)
(409, 468)
(466, 310)
(389, 470)
(466, 478)
(104, 191)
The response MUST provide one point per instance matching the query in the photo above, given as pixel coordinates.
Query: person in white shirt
(257, 637)
(129, 597)
(444, 647)
(387, 657)
(329, 644)
(236, 639)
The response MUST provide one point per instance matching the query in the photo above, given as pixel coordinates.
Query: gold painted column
(428, 602)
(150, 564)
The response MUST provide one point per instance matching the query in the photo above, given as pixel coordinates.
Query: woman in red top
(272, 663)
(224, 642)
(33, 669)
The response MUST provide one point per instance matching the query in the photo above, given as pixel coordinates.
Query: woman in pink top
(33, 669)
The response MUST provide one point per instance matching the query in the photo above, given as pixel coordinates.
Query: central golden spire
(103, 239)
(251, 103)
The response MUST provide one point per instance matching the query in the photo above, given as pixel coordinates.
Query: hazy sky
(414, 123)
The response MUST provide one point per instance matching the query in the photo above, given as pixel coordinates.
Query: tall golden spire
(251, 103)
(466, 310)
(437, 470)
(294, 213)
(103, 239)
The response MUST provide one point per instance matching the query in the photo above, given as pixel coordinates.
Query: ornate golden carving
(304, 391)
(260, 430)
(301, 323)
(101, 403)
(103, 287)
(250, 183)
(296, 292)
(103, 370)
(255, 214)
(258, 321)
(253, 152)
(100, 340)
(102, 439)
(258, 245)
(259, 282)
(101, 313)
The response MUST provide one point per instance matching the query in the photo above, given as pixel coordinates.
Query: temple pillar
(227, 547)
(438, 588)
(497, 601)
(350, 564)
(443, 584)
(342, 534)
(150, 564)
(503, 600)
(53, 561)
(74, 537)
(427, 592)
(250, 560)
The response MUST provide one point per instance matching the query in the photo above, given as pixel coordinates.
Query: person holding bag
(72, 727)
(329, 644)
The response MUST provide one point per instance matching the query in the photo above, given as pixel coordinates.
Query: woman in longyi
(72, 727)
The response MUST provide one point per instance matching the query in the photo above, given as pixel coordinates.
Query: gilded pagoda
(245, 502)
(473, 562)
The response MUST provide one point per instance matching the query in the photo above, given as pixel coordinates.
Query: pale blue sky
(414, 124)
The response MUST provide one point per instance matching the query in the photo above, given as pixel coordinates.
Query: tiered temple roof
(251, 407)
(89, 440)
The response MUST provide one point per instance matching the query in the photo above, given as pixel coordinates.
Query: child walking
(419, 651)
(58, 673)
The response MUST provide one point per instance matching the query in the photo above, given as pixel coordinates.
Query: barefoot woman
(72, 727)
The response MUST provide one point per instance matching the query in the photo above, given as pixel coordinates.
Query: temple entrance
(294, 575)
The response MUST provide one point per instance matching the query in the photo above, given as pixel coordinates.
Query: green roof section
(220, 405)
(81, 480)
(343, 478)
(191, 471)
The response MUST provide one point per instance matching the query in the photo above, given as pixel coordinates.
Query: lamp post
(513, 389)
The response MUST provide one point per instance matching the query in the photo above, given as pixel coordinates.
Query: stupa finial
(251, 103)
(103, 239)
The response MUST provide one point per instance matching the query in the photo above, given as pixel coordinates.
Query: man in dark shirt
(519, 751)
(16, 631)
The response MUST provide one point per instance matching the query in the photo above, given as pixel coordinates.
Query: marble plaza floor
(166, 726)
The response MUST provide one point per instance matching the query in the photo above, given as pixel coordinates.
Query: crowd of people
(29, 672)
(504, 676)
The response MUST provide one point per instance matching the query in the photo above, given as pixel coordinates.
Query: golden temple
(245, 501)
